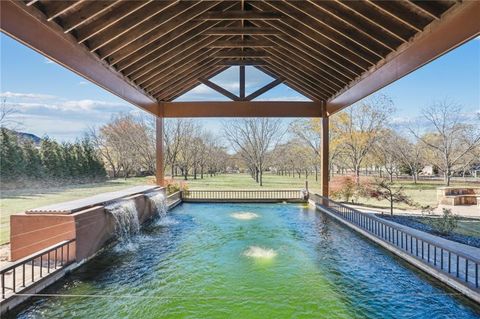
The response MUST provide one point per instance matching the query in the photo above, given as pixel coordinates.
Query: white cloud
(9, 94)
(83, 83)
(48, 61)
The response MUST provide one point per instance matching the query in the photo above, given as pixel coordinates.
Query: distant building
(427, 171)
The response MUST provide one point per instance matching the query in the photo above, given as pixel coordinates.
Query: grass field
(16, 201)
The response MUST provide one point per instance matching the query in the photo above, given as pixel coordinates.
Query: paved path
(472, 211)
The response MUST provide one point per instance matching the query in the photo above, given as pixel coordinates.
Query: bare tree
(386, 153)
(411, 155)
(451, 138)
(127, 145)
(358, 129)
(253, 139)
(172, 138)
(6, 113)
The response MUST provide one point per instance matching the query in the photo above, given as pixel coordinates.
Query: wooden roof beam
(457, 26)
(241, 44)
(301, 79)
(241, 31)
(187, 84)
(219, 89)
(132, 22)
(184, 51)
(298, 32)
(178, 68)
(294, 17)
(236, 53)
(240, 15)
(326, 85)
(181, 80)
(241, 109)
(274, 71)
(291, 84)
(86, 13)
(176, 28)
(263, 89)
(342, 28)
(231, 62)
(26, 25)
(109, 18)
(56, 8)
(194, 83)
(378, 17)
(192, 69)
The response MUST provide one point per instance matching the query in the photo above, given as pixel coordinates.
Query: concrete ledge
(84, 203)
(90, 225)
(445, 278)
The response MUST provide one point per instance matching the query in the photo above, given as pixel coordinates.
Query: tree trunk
(261, 178)
(357, 175)
(391, 204)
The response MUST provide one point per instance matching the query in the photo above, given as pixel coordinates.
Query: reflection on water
(260, 252)
(197, 267)
(244, 215)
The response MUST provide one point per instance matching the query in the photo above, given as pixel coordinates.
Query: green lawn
(15, 201)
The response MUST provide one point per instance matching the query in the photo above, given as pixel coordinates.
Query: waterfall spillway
(159, 203)
(126, 219)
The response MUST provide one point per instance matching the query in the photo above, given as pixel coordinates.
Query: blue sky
(51, 100)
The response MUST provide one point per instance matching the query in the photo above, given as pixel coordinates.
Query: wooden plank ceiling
(318, 48)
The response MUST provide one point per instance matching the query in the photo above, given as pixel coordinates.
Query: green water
(194, 265)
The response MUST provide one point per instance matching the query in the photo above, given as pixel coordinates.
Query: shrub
(443, 225)
(346, 189)
(383, 189)
(173, 186)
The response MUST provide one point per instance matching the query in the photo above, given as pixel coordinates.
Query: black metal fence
(458, 265)
(31, 269)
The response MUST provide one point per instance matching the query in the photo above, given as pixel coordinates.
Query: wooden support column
(242, 82)
(160, 177)
(325, 156)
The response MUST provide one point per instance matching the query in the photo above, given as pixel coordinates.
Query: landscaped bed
(459, 235)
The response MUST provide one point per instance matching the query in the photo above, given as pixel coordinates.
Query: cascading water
(126, 219)
(159, 202)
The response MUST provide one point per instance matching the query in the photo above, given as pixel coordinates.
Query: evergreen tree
(50, 153)
(93, 165)
(33, 161)
(12, 163)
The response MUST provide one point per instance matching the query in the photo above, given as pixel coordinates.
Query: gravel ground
(415, 222)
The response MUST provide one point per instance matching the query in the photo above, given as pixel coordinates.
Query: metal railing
(460, 266)
(29, 270)
(262, 195)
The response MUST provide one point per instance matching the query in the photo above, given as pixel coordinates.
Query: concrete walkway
(471, 211)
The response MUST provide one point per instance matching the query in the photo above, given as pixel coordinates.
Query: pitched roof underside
(318, 48)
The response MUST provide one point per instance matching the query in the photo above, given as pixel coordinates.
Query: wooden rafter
(240, 15)
(241, 109)
(263, 89)
(219, 89)
(231, 62)
(336, 51)
(241, 31)
(241, 44)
